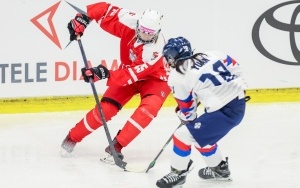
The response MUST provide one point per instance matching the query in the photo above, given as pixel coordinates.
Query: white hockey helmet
(149, 26)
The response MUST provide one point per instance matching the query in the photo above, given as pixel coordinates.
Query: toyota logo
(291, 28)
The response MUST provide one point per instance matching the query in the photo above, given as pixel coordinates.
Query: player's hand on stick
(96, 73)
(178, 113)
(181, 116)
(77, 25)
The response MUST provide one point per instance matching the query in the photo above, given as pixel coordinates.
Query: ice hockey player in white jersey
(215, 80)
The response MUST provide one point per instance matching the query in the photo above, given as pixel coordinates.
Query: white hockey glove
(182, 117)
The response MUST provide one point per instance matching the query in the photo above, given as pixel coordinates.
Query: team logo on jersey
(155, 55)
(197, 125)
(284, 33)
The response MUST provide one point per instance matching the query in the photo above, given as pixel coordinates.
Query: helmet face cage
(148, 26)
(177, 49)
(170, 56)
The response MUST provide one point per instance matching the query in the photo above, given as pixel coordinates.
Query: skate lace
(171, 177)
(208, 172)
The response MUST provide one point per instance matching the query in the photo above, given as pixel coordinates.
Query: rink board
(69, 103)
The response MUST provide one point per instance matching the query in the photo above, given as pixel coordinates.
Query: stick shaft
(118, 161)
(163, 148)
(160, 152)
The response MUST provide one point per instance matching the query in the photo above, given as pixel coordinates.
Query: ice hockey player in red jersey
(142, 71)
(214, 79)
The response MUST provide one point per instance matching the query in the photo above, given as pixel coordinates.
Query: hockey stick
(117, 160)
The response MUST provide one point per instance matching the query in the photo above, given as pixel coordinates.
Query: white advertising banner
(34, 59)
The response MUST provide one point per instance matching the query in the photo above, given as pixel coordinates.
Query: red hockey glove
(96, 73)
(77, 25)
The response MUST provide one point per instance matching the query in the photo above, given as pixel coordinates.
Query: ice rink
(263, 151)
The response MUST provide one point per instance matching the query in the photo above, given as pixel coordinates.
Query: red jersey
(139, 61)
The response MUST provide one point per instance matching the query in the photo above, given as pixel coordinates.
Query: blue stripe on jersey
(229, 60)
(185, 104)
(184, 110)
(188, 99)
(180, 152)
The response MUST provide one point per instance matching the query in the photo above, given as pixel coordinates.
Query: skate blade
(65, 154)
(108, 159)
(219, 179)
(223, 179)
(226, 179)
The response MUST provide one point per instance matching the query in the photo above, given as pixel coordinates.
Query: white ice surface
(263, 151)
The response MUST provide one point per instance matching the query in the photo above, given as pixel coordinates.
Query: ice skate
(67, 146)
(220, 172)
(175, 178)
(108, 158)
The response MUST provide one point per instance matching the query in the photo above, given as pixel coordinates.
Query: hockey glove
(77, 25)
(178, 113)
(181, 116)
(96, 73)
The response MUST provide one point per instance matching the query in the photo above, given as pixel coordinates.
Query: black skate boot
(108, 158)
(175, 178)
(67, 146)
(220, 172)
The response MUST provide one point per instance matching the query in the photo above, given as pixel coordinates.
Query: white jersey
(214, 79)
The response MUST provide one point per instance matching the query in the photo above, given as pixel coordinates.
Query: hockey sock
(140, 119)
(92, 121)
